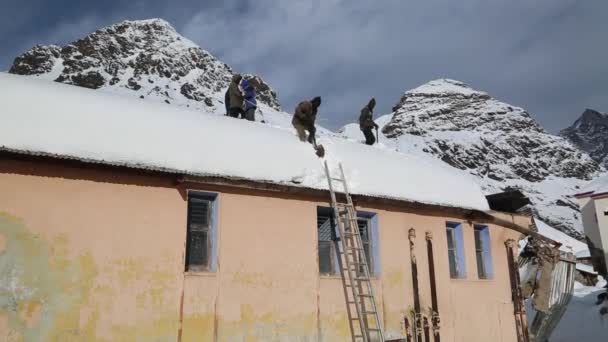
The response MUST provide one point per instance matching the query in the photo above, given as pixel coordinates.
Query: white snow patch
(597, 186)
(445, 86)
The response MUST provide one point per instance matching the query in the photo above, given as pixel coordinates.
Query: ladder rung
(365, 295)
(361, 278)
(368, 312)
(373, 329)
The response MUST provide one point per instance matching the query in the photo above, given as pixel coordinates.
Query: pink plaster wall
(116, 243)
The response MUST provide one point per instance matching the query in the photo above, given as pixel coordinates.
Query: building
(593, 201)
(127, 221)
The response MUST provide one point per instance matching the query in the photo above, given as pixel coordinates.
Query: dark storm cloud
(548, 56)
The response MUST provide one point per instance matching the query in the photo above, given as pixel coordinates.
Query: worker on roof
(250, 102)
(366, 122)
(235, 97)
(304, 119)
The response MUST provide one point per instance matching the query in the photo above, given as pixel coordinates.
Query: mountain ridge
(498, 143)
(590, 133)
(145, 58)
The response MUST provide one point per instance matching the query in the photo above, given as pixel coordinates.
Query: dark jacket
(306, 113)
(250, 101)
(366, 119)
(234, 93)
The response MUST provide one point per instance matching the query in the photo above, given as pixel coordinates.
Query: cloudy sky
(548, 56)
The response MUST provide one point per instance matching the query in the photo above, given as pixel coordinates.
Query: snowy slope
(597, 186)
(499, 144)
(122, 131)
(590, 134)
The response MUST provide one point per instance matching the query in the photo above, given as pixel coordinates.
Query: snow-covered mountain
(500, 144)
(590, 134)
(145, 58)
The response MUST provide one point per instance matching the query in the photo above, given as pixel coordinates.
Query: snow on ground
(582, 320)
(50, 118)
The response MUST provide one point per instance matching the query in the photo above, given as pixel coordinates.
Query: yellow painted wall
(88, 255)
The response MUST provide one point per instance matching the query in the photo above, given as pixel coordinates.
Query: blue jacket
(250, 101)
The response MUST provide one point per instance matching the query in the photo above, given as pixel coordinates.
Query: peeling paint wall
(93, 255)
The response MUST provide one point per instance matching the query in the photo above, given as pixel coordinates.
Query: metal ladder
(363, 321)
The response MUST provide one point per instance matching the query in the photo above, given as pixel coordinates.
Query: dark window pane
(325, 263)
(200, 212)
(198, 235)
(324, 229)
(197, 251)
(450, 236)
(478, 245)
(364, 230)
(481, 272)
(326, 237)
(452, 261)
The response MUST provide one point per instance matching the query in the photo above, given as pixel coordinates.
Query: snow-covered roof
(42, 117)
(598, 186)
(585, 268)
(569, 244)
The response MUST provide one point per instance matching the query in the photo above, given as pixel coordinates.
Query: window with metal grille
(327, 241)
(200, 223)
(455, 250)
(364, 230)
(482, 252)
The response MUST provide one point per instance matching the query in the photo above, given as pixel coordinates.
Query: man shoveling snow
(304, 120)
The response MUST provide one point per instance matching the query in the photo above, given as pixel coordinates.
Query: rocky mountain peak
(498, 143)
(590, 115)
(143, 58)
(590, 133)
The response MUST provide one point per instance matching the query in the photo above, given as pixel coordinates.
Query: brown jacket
(305, 115)
(234, 93)
(366, 119)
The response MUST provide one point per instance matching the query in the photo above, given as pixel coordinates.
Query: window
(364, 229)
(455, 250)
(328, 240)
(482, 252)
(606, 212)
(200, 239)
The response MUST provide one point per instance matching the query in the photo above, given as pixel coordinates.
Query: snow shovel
(319, 149)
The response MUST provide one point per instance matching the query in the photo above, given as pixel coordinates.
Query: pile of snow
(48, 118)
